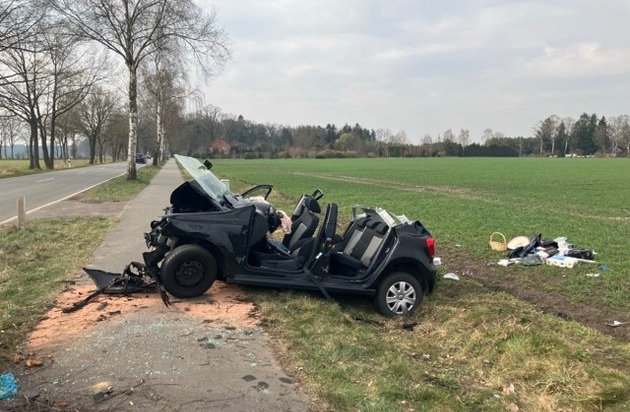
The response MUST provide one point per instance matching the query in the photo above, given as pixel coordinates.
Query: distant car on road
(141, 158)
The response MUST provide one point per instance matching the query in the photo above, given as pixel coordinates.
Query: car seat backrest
(352, 237)
(369, 243)
(306, 202)
(378, 234)
(304, 225)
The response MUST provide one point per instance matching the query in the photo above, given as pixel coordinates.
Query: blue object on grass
(8, 385)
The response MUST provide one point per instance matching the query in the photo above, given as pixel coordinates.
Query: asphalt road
(44, 189)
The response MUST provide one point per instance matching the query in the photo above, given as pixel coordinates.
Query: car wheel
(188, 271)
(398, 294)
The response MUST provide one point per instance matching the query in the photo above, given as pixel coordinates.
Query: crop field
(511, 338)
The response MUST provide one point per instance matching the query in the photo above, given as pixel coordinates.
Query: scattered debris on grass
(535, 250)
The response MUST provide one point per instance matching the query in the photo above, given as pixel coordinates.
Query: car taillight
(431, 246)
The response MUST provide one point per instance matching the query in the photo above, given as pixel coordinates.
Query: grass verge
(34, 265)
(120, 189)
(471, 349)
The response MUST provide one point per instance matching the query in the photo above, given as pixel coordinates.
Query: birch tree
(135, 30)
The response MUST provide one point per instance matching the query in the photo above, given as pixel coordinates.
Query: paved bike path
(156, 358)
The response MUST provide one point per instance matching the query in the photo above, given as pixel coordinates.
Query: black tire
(188, 271)
(398, 294)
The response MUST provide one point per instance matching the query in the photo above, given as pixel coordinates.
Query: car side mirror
(208, 164)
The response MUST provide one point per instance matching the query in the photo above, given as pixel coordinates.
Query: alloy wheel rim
(400, 297)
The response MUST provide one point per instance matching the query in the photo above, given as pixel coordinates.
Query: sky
(423, 66)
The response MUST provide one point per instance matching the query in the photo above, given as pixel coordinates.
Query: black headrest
(312, 205)
(373, 223)
(361, 222)
(381, 228)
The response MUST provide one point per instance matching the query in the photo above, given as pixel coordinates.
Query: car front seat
(304, 225)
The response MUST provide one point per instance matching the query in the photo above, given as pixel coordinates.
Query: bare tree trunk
(133, 122)
(92, 144)
(163, 149)
(73, 147)
(44, 141)
(160, 130)
(100, 152)
(159, 95)
(34, 147)
(53, 125)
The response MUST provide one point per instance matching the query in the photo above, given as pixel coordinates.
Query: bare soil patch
(595, 316)
(222, 305)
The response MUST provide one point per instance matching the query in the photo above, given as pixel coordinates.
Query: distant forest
(209, 133)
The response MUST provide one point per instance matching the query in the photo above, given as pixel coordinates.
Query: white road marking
(60, 200)
(45, 180)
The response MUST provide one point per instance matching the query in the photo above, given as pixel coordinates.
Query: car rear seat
(362, 245)
(351, 239)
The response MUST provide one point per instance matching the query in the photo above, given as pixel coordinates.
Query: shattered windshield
(206, 180)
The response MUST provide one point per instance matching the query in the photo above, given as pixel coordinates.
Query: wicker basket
(497, 245)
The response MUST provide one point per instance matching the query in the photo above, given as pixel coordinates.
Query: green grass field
(471, 342)
(462, 201)
(539, 347)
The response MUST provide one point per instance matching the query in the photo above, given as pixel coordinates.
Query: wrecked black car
(209, 233)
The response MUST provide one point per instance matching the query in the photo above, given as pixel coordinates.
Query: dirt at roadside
(222, 305)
